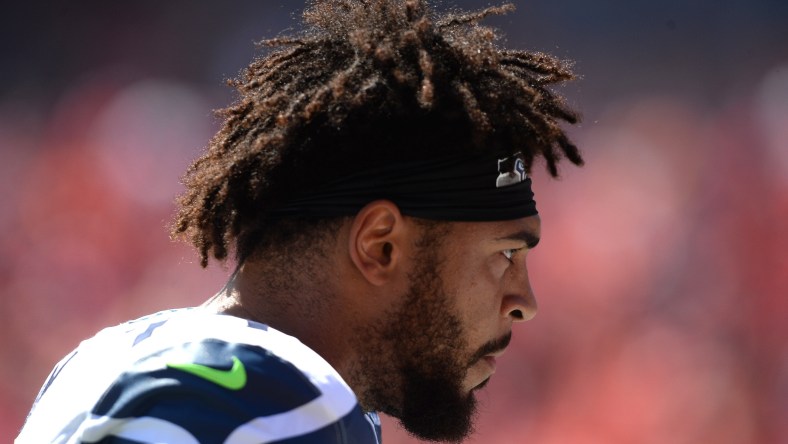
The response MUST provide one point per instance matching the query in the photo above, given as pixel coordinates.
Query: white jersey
(190, 376)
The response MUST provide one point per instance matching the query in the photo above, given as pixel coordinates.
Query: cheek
(482, 273)
(478, 289)
(496, 267)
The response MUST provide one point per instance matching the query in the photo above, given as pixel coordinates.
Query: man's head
(437, 339)
(405, 138)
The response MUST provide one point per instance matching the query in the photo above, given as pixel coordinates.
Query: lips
(491, 362)
(483, 365)
(484, 369)
(493, 348)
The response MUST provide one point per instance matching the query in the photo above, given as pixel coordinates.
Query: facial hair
(415, 361)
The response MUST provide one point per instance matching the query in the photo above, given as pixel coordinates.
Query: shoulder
(209, 378)
(220, 391)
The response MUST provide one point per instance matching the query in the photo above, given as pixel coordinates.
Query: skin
(492, 290)
(357, 286)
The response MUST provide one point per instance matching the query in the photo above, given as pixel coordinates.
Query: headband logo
(511, 170)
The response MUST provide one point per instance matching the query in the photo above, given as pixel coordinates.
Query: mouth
(496, 354)
(484, 368)
(490, 361)
(492, 349)
(484, 362)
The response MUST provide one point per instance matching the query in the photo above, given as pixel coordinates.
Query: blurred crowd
(662, 278)
(661, 282)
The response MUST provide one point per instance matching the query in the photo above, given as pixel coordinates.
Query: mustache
(491, 347)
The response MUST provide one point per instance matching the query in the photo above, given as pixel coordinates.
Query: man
(372, 183)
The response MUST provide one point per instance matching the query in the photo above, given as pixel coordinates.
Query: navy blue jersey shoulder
(211, 388)
(189, 377)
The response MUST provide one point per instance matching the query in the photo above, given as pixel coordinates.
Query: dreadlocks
(368, 81)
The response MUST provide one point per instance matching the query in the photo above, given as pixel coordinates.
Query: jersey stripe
(142, 429)
(307, 418)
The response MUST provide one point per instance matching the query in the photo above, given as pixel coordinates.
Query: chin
(438, 410)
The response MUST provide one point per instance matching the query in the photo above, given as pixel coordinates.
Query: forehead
(524, 229)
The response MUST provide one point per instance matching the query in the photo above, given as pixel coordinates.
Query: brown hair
(366, 82)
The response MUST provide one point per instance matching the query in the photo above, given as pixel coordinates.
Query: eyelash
(509, 253)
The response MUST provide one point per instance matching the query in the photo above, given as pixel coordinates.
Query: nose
(519, 301)
(519, 308)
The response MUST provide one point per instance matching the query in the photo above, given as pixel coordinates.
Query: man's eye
(509, 254)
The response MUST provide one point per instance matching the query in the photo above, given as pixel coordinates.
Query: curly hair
(368, 81)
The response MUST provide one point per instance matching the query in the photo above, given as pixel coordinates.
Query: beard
(414, 363)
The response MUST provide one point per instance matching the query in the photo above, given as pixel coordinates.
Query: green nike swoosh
(233, 379)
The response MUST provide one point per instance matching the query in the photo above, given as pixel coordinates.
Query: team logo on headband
(511, 170)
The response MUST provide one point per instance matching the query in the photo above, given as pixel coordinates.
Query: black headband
(470, 188)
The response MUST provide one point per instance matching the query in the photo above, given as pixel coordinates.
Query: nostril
(518, 307)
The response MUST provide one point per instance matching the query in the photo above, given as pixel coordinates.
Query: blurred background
(662, 277)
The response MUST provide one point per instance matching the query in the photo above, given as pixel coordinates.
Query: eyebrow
(530, 239)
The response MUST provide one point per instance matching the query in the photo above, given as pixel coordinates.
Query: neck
(306, 309)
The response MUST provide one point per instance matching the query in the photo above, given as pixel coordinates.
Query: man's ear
(377, 238)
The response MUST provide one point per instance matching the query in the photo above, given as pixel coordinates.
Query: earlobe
(376, 241)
